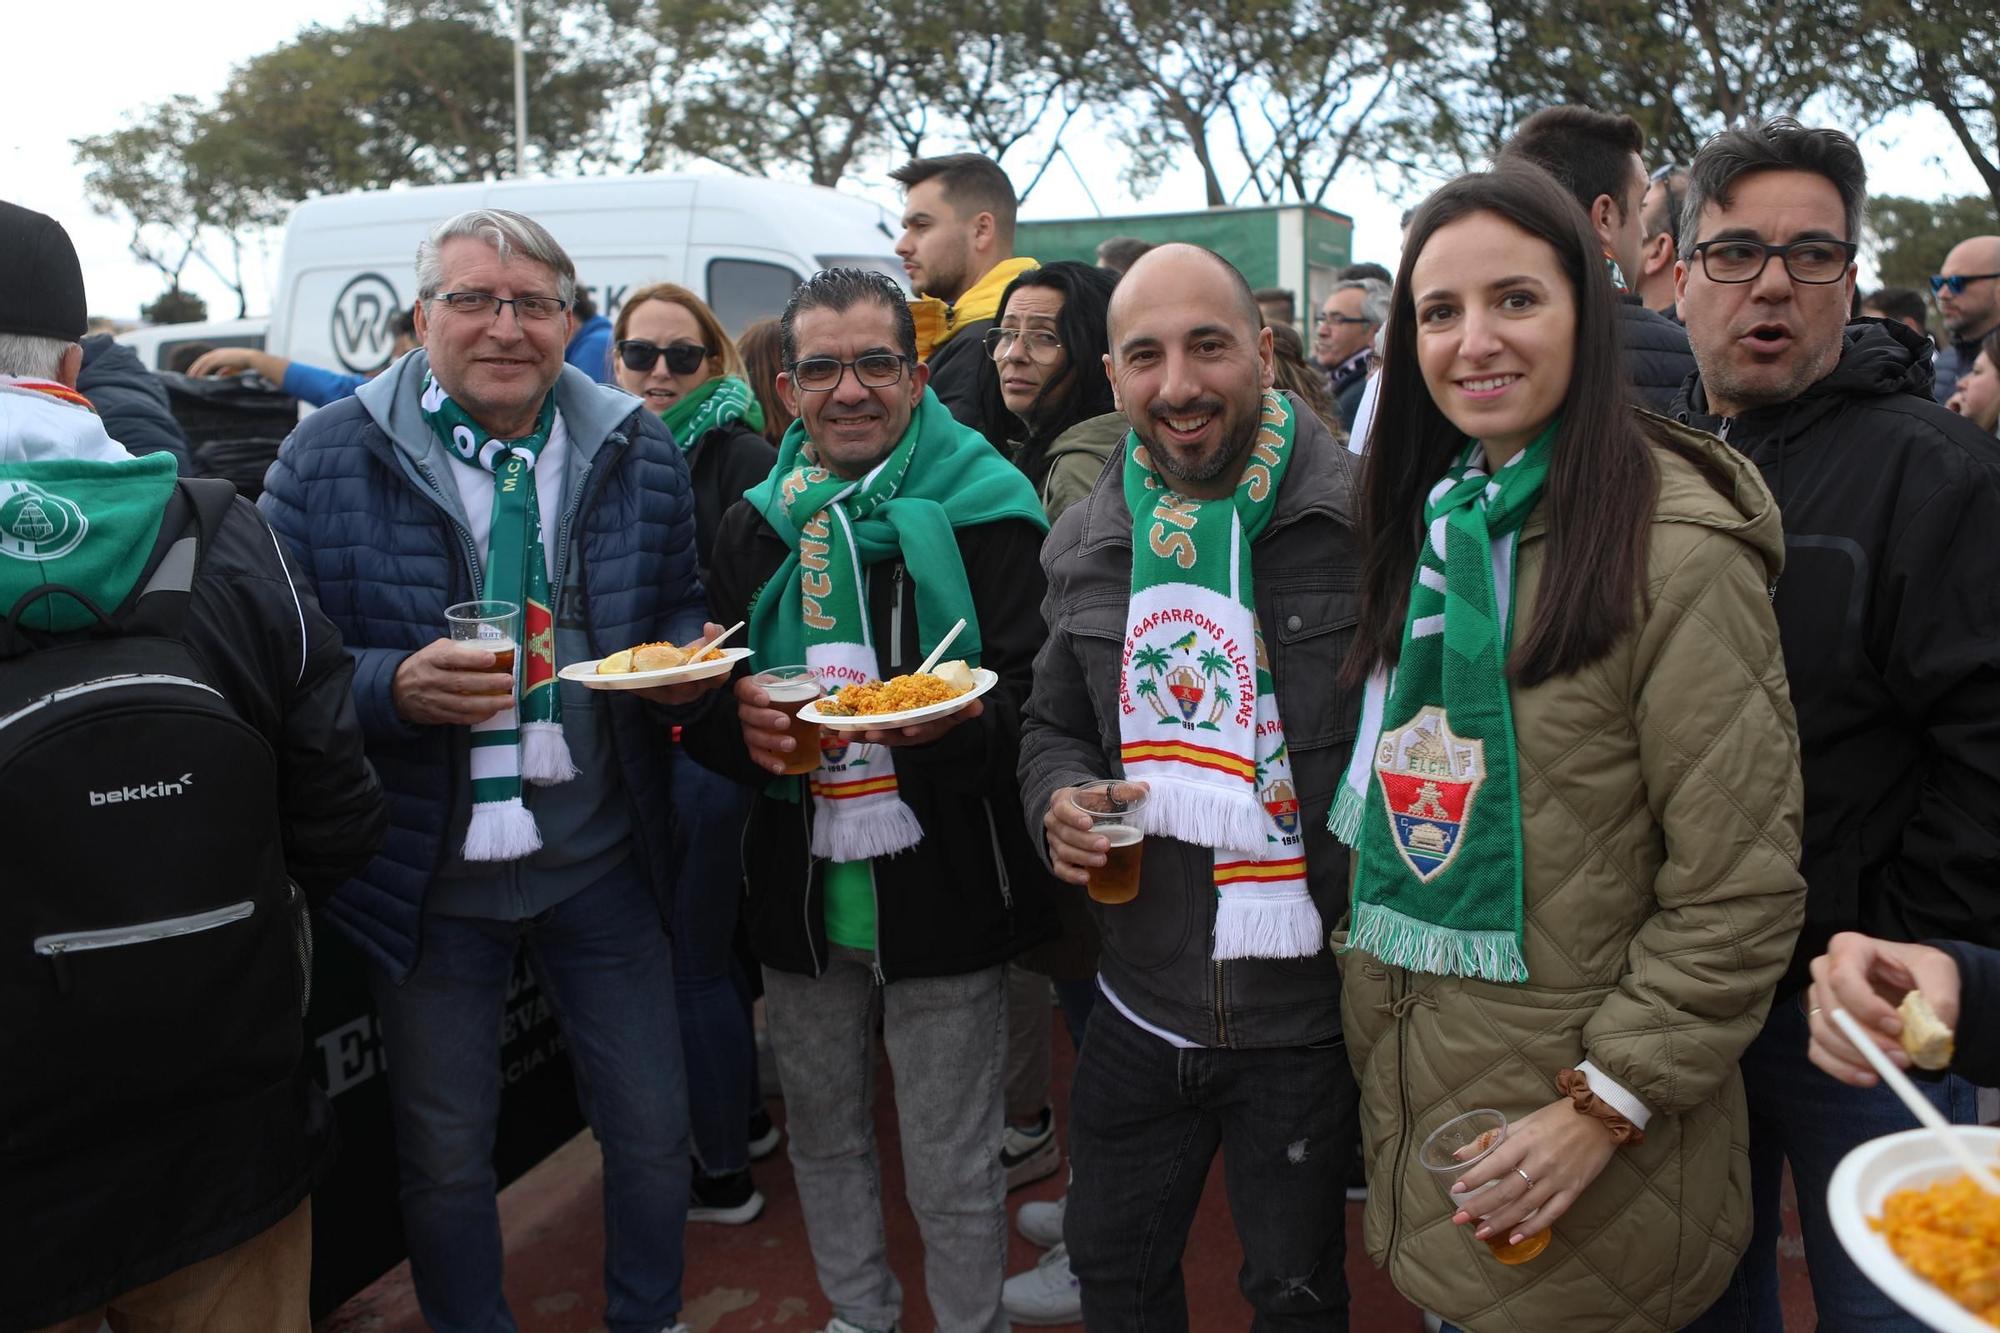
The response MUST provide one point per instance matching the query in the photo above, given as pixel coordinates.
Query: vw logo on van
(363, 329)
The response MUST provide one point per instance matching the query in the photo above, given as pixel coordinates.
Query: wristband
(1575, 1085)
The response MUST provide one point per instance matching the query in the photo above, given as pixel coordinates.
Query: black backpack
(154, 959)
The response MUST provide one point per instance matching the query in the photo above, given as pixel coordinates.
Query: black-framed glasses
(1811, 262)
(1037, 344)
(526, 308)
(1957, 281)
(1664, 176)
(821, 374)
(638, 355)
(1322, 319)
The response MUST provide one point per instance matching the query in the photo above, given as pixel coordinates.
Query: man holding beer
(889, 865)
(1199, 605)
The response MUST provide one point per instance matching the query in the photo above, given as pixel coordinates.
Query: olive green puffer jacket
(1661, 802)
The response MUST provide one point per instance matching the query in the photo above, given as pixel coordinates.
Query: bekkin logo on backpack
(144, 791)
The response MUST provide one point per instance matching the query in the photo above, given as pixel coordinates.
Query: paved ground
(760, 1277)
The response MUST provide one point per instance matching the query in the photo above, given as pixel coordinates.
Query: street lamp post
(520, 89)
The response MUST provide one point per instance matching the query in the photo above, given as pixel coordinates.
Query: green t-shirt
(850, 904)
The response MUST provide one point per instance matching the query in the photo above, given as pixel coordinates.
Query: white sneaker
(1045, 1295)
(1030, 1155)
(1041, 1222)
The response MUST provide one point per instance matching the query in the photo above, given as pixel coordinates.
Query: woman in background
(1047, 346)
(762, 346)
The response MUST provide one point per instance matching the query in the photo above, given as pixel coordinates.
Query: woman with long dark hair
(1047, 348)
(1574, 801)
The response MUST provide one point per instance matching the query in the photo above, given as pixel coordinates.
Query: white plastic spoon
(1899, 1082)
(943, 644)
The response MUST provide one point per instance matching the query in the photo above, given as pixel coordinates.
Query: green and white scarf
(1198, 714)
(941, 477)
(525, 739)
(712, 403)
(1431, 802)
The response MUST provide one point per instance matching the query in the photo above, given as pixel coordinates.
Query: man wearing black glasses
(1967, 293)
(1891, 635)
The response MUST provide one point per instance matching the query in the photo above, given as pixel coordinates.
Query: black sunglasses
(1957, 281)
(638, 356)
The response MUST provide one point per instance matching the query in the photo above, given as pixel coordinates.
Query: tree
(1912, 236)
(1941, 54)
(174, 306)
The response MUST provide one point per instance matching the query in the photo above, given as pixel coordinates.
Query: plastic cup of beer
(494, 626)
(1453, 1149)
(791, 688)
(1111, 807)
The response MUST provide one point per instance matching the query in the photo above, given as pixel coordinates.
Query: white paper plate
(982, 681)
(1870, 1174)
(585, 673)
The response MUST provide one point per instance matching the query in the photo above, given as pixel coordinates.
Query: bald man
(1967, 290)
(1227, 646)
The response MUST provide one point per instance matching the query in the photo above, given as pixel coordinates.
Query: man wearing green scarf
(1200, 602)
(898, 871)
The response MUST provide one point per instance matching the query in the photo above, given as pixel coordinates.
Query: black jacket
(1891, 628)
(726, 462)
(956, 371)
(131, 400)
(971, 894)
(1157, 953)
(1657, 356)
(85, 1226)
(1976, 1056)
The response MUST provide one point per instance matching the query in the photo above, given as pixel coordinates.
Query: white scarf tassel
(1253, 925)
(545, 759)
(501, 831)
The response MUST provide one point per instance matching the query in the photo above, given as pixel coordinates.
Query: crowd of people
(1553, 683)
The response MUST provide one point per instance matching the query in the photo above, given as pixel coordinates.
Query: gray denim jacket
(1157, 956)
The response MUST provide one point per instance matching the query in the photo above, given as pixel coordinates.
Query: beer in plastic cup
(1111, 806)
(1460, 1144)
(791, 688)
(494, 626)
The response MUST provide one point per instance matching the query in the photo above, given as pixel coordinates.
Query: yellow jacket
(938, 322)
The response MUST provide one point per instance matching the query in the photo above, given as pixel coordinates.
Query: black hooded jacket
(1889, 612)
(1656, 354)
(131, 400)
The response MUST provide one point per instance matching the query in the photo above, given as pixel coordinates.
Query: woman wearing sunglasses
(670, 350)
(1574, 801)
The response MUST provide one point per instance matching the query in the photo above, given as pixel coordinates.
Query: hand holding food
(1869, 978)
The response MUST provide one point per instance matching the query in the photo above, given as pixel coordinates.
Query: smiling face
(938, 247)
(1767, 340)
(497, 367)
(1340, 331)
(1496, 330)
(851, 426)
(1028, 372)
(1189, 365)
(664, 324)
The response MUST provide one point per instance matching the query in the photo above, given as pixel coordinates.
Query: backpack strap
(194, 515)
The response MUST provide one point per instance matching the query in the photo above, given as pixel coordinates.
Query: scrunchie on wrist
(1575, 1085)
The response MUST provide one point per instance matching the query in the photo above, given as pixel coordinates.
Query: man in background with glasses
(1344, 339)
(1660, 239)
(480, 466)
(1967, 293)
(1891, 634)
(896, 876)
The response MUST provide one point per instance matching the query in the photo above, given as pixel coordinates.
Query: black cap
(41, 283)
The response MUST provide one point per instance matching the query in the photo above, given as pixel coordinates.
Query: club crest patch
(1429, 778)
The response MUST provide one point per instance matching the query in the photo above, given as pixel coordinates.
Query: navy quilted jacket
(386, 560)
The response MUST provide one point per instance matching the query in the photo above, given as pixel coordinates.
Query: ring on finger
(1525, 1176)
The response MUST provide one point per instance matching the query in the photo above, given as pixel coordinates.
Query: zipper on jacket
(1396, 985)
(999, 861)
(464, 533)
(896, 618)
(805, 823)
(875, 896)
(1221, 1014)
(57, 947)
(613, 444)
(302, 942)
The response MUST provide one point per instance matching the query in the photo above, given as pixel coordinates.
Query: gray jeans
(945, 1036)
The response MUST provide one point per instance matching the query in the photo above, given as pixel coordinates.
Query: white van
(739, 242)
(157, 343)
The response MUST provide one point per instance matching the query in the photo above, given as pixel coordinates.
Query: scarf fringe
(1344, 820)
(1248, 926)
(883, 830)
(501, 831)
(545, 759)
(1200, 814)
(1419, 946)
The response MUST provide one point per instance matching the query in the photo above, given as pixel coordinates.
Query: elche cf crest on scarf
(1429, 778)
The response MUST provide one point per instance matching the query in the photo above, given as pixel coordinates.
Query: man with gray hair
(525, 810)
(1344, 339)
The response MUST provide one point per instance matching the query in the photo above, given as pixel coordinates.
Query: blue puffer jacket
(386, 559)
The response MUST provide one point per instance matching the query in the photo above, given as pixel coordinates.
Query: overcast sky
(80, 71)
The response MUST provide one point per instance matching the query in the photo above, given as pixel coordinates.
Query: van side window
(741, 291)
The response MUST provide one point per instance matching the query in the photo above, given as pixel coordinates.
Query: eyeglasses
(821, 374)
(638, 355)
(1323, 319)
(1811, 262)
(526, 308)
(1665, 177)
(1038, 344)
(1957, 281)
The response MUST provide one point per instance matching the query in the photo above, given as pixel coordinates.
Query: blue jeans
(1145, 1121)
(1801, 1115)
(709, 812)
(601, 957)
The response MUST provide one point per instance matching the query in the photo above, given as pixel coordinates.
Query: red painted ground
(760, 1276)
